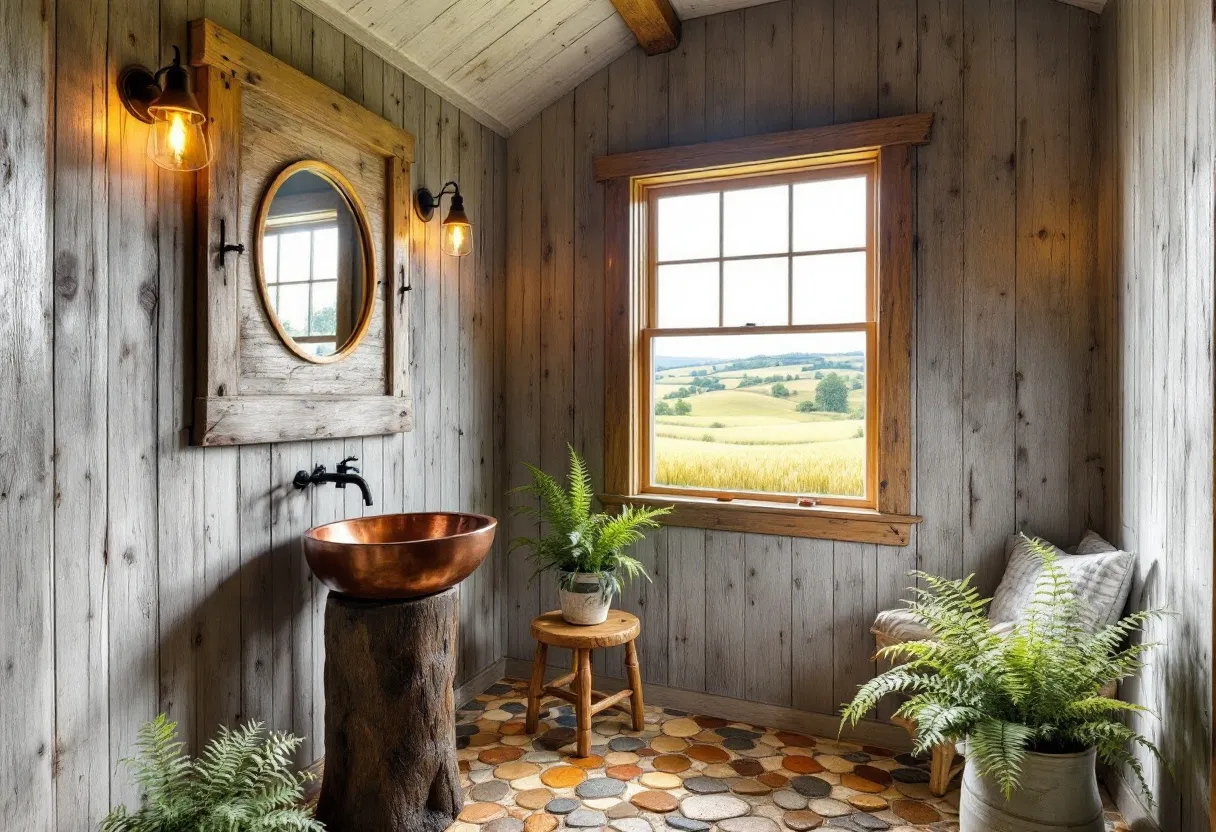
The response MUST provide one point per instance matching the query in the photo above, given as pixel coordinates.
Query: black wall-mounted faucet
(346, 473)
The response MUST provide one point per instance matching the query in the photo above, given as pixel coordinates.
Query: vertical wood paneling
(812, 647)
(153, 576)
(790, 618)
(451, 382)
(523, 362)
(131, 347)
(556, 306)
(725, 76)
(686, 89)
(940, 281)
(768, 84)
(1044, 396)
(686, 611)
(1155, 240)
(725, 648)
(854, 606)
(80, 359)
(27, 615)
(180, 476)
(767, 624)
(989, 333)
(813, 73)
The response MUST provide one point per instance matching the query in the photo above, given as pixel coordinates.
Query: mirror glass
(314, 249)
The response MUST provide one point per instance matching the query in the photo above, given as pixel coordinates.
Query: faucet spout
(346, 474)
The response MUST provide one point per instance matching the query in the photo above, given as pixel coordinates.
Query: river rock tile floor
(684, 772)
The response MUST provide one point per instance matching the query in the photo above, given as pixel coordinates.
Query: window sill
(822, 522)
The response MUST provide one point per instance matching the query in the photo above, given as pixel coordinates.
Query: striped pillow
(1101, 577)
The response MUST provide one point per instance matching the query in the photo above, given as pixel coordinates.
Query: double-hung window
(759, 331)
(759, 324)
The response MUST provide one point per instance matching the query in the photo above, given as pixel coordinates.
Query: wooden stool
(550, 629)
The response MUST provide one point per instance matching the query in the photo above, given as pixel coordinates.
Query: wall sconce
(177, 140)
(457, 230)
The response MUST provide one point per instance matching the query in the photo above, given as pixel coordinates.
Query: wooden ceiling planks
(503, 61)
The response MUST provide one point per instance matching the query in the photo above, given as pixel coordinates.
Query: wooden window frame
(628, 178)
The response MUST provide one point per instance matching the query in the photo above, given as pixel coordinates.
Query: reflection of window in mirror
(312, 263)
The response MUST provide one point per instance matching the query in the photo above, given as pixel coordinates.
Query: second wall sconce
(165, 99)
(457, 230)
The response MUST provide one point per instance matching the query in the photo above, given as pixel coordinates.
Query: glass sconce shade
(178, 140)
(457, 230)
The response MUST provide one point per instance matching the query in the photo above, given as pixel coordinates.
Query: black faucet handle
(344, 467)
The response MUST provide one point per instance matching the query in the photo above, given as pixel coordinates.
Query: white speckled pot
(585, 604)
(1059, 794)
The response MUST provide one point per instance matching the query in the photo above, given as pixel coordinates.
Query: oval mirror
(315, 262)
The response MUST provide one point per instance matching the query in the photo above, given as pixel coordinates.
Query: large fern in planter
(577, 539)
(243, 782)
(1034, 689)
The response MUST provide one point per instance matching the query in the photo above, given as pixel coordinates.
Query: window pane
(688, 227)
(688, 295)
(756, 221)
(830, 288)
(292, 308)
(773, 414)
(270, 258)
(325, 253)
(324, 320)
(295, 253)
(756, 292)
(830, 214)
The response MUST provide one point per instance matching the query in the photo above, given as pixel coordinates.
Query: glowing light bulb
(177, 136)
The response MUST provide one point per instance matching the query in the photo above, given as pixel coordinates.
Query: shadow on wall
(242, 646)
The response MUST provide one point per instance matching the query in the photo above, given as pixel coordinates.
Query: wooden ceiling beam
(653, 22)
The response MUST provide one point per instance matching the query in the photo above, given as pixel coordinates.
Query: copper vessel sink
(398, 555)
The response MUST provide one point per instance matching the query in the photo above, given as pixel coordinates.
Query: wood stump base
(390, 730)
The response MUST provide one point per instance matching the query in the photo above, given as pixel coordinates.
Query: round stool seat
(553, 630)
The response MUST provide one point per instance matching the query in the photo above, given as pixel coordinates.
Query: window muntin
(794, 297)
(300, 261)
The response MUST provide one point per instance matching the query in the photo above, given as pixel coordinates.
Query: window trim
(626, 178)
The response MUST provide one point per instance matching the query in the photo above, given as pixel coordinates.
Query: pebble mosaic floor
(683, 772)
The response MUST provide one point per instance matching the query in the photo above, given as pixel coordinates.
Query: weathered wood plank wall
(1157, 62)
(143, 575)
(1009, 410)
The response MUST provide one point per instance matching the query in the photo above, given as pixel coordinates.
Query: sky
(746, 346)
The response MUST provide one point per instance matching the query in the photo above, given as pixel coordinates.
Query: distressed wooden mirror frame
(250, 387)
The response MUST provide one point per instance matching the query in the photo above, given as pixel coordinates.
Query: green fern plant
(243, 782)
(575, 538)
(1036, 688)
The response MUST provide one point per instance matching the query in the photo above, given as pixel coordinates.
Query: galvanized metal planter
(1059, 794)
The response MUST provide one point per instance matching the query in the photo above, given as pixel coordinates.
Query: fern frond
(998, 748)
(243, 781)
(1034, 687)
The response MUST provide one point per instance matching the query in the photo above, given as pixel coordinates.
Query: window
(756, 332)
(758, 365)
(300, 261)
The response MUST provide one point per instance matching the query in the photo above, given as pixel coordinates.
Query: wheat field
(830, 467)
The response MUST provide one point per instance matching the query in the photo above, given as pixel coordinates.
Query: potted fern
(1026, 704)
(242, 782)
(586, 549)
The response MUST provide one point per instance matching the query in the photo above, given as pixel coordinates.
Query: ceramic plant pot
(1059, 794)
(583, 602)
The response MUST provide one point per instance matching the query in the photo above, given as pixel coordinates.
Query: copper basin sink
(398, 555)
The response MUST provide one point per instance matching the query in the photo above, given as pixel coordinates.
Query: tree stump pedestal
(390, 729)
